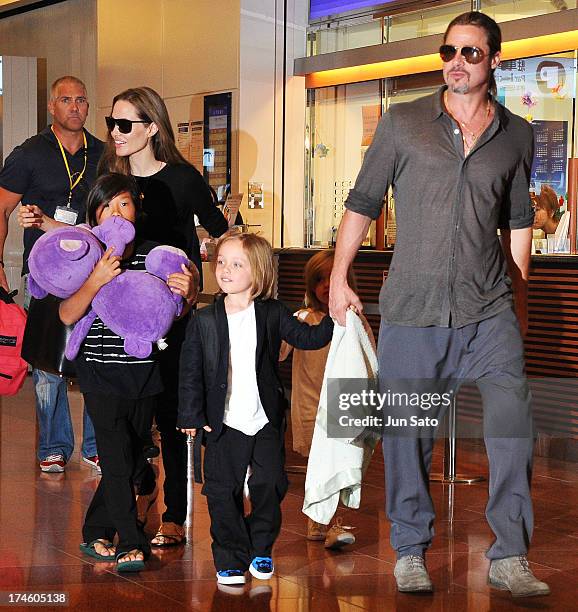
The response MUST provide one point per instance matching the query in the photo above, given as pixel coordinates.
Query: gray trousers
(491, 353)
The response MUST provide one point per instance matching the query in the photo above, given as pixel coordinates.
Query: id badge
(65, 214)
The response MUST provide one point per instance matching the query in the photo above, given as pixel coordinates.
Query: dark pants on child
(491, 353)
(173, 442)
(238, 539)
(113, 507)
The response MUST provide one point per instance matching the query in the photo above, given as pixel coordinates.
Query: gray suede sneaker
(514, 574)
(411, 575)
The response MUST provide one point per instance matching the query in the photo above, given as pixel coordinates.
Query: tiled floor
(41, 517)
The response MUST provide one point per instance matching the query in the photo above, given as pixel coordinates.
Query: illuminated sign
(324, 8)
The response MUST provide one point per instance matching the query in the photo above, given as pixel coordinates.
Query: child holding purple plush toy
(119, 389)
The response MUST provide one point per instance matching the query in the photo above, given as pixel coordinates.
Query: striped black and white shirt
(104, 367)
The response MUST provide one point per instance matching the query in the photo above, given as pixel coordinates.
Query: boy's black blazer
(205, 361)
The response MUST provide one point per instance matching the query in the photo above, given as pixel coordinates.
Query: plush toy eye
(73, 249)
(71, 245)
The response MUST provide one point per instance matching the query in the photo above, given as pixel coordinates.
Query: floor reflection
(41, 517)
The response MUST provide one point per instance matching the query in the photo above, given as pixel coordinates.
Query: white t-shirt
(243, 408)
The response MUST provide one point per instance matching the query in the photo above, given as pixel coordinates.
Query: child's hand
(32, 216)
(185, 283)
(29, 215)
(193, 432)
(106, 269)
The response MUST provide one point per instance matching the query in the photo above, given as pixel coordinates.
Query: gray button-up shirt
(448, 267)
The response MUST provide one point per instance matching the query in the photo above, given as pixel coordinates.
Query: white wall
(64, 34)
(19, 122)
(179, 48)
(187, 49)
(260, 115)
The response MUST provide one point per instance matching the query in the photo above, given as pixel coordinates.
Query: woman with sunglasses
(141, 142)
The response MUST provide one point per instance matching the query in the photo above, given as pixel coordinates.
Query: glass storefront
(342, 119)
(383, 25)
(341, 123)
(543, 91)
(508, 10)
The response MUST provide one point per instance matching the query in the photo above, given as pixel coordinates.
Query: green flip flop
(88, 549)
(129, 566)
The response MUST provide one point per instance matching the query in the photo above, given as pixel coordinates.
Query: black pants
(238, 539)
(113, 507)
(173, 442)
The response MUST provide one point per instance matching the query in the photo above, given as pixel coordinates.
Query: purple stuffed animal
(138, 306)
(61, 260)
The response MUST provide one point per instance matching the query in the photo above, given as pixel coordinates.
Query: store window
(342, 119)
(423, 22)
(360, 26)
(341, 123)
(508, 10)
(345, 33)
(543, 91)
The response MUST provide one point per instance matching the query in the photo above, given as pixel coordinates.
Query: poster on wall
(196, 144)
(256, 195)
(550, 155)
(217, 141)
(541, 90)
(231, 207)
(540, 77)
(184, 139)
(370, 115)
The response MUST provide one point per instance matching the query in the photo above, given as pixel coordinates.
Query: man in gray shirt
(459, 165)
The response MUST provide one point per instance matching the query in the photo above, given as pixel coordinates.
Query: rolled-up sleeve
(517, 212)
(376, 174)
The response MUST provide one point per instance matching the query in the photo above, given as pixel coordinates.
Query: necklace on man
(464, 125)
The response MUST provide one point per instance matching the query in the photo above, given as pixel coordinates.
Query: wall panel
(64, 34)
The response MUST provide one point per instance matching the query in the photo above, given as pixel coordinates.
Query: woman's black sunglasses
(472, 55)
(124, 125)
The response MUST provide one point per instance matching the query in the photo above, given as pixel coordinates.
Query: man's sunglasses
(472, 55)
(124, 125)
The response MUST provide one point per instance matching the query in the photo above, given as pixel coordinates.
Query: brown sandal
(172, 534)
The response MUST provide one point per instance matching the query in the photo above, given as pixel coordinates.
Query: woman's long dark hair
(150, 107)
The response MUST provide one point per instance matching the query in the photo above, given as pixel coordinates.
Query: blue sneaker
(262, 568)
(231, 576)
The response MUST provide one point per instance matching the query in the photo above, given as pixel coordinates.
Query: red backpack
(12, 323)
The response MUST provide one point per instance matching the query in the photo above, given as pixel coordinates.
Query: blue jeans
(55, 433)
